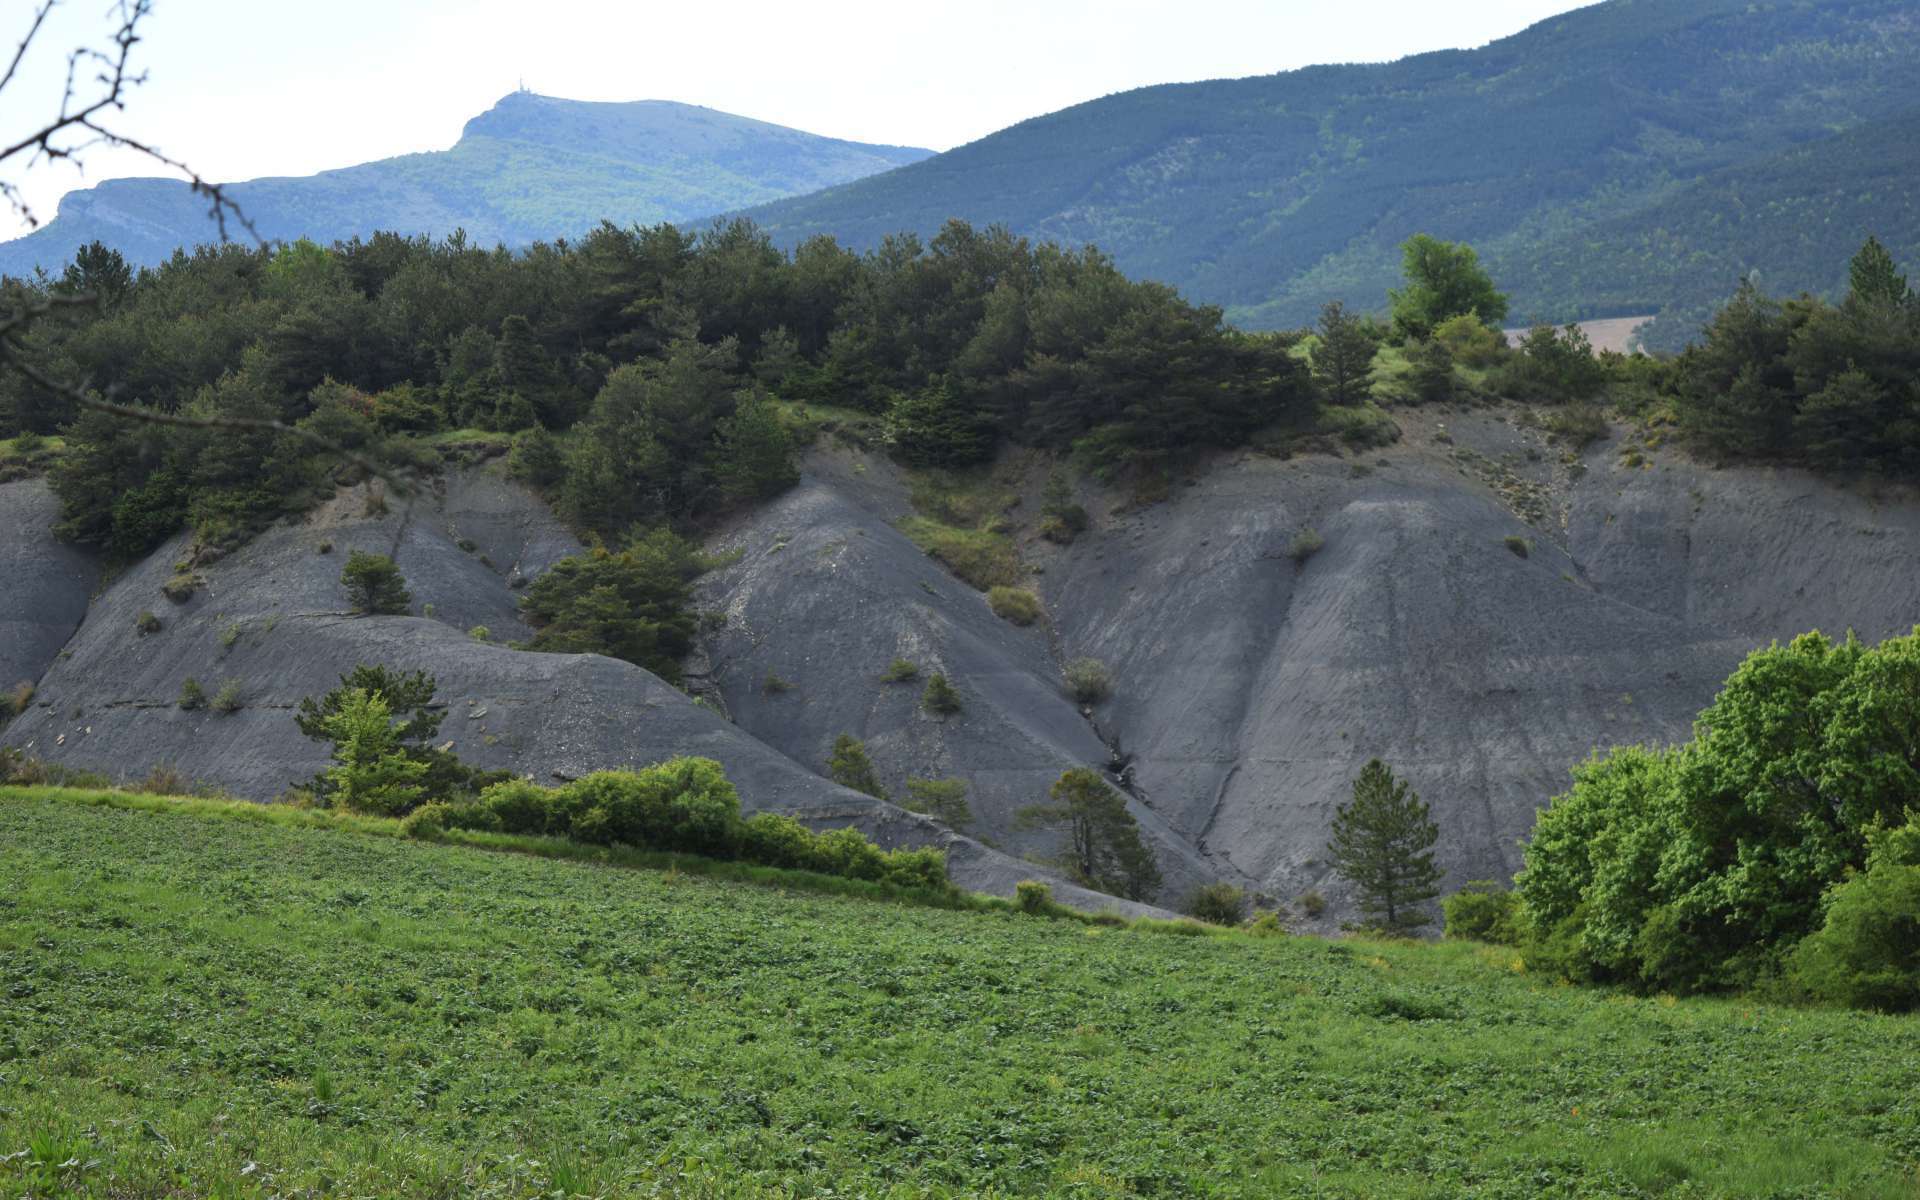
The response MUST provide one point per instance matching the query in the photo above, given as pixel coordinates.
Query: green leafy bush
(1866, 953)
(192, 695)
(688, 806)
(900, 671)
(1218, 904)
(1702, 866)
(1033, 897)
(1520, 546)
(1017, 605)
(1089, 681)
(227, 699)
(147, 623)
(1483, 911)
(1305, 545)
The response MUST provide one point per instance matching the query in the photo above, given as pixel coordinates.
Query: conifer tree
(1343, 362)
(1383, 844)
(1104, 848)
(850, 767)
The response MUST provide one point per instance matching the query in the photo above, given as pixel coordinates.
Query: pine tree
(1104, 848)
(850, 767)
(1383, 844)
(1873, 278)
(1343, 362)
(374, 585)
(941, 698)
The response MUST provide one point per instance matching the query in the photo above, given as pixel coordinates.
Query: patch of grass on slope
(194, 1004)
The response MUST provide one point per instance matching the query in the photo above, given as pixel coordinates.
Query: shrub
(480, 633)
(230, 635)
(1017, 605)
(1867, 952)
(774, 685)
(943, 799)
(18, 700)
(1313, 904)
(517, 806)
(1483, 911)
(374, 586)
(1305, 545)
(940, 697)
(181, 587)
(685, 804)
(776, 840)
(536, 458)
(1266, 924)
(427, 822)
(1089, 681)
(1577, 425)
(227, 699)
(147, 623)
(982, 557)
(900, 671)
(324, 548)
(1218, 904)
(1520, 546)
(847, 853)
(192, 695)
(1061, 520)
(1469, 340)
(1032, 896)
(924, 869)
(850, 767)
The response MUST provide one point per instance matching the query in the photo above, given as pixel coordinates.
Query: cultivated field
(197, 1004)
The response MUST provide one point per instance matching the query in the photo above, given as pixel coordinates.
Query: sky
(245, 88)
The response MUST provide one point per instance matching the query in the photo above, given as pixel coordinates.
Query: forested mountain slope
(530, 168)
(1699, 134)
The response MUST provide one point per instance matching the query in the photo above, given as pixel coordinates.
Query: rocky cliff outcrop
(1484, 610)
(271, 621)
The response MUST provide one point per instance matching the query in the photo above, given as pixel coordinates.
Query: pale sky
(244, 88)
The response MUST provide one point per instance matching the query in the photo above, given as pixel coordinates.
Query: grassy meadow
(194, 1004)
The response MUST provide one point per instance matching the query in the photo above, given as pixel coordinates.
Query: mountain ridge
(530, 168)
(1269, 195)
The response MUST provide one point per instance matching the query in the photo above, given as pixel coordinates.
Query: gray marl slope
(44, 583)
(1250, 689)
(110, 704)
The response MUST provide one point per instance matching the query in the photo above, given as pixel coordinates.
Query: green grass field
(192, 1004)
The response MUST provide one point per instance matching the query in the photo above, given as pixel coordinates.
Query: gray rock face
(272, 620)
(44, 583)
(1250, 688)
(826, 594)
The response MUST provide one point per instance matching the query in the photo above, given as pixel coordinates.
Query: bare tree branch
(85, 119)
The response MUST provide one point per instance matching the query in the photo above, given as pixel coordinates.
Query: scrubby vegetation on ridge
(255, 1008)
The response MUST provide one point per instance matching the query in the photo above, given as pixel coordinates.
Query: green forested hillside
(1269, 195)
(200, 1005)
(530, 168)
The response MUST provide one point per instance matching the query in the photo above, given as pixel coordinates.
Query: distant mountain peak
(532, 167)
